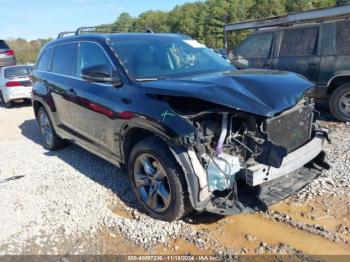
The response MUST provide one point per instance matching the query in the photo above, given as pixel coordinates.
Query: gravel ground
(70, 192)
(67, 196)
(335, 181)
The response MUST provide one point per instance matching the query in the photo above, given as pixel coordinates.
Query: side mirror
(101, 74)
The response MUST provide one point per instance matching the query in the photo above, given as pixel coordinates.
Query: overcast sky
(32, 19)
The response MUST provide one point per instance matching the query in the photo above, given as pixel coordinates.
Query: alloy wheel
(152, 182)
(46, 129)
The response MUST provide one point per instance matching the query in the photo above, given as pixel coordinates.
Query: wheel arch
(131, 135)
(36, 107)
(337, 80)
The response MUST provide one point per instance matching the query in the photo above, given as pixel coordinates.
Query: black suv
(319, 51)
(191, 130)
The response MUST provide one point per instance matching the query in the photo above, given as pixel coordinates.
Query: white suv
(15, 84)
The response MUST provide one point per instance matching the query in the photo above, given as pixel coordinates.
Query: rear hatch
(18, 79)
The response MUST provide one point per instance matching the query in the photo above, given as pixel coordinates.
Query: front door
(299, 52)
(255, 52)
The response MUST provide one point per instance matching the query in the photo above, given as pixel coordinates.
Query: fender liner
(181, 155)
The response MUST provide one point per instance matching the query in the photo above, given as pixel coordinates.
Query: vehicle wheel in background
(157, 181)
(340, 103)
(6, 104)
(52, 141)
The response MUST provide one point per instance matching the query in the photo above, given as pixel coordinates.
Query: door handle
(71, 92)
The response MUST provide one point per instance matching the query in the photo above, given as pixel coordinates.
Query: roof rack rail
(113, 29)
(317, 15)
(62, 34)
(100, 29)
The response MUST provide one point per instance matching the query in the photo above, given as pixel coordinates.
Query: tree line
(202, 20)
(26, 51)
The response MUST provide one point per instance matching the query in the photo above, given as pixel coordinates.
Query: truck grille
(292, 129)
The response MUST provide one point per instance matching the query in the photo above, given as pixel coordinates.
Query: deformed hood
(261, 92)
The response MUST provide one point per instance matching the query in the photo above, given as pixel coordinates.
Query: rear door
(299, 52)
(61, 82)
(255, 51)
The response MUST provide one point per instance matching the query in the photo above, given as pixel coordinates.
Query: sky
(33, 19)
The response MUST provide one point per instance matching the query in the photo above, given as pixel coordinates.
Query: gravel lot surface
(72, 202)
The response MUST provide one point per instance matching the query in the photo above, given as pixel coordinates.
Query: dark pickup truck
(318, 51)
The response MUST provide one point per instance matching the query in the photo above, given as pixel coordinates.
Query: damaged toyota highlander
(193, 133)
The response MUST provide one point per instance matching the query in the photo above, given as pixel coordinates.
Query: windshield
(17, 71)
(151, 59)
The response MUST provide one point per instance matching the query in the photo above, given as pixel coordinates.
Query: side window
(64, 59)
(256, 46)
(343, 38)
(45, 60)
(91, 54)
(299, 42)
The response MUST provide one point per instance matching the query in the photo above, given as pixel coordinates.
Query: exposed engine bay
(236, 146)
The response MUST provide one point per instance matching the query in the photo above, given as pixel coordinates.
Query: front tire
(158, 181)
(339, 103)
(51, 140)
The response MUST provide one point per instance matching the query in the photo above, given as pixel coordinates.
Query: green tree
(302, 5)
(123, 22)
(188, 19)
(26, 52)
(157, 20)
(267, 8)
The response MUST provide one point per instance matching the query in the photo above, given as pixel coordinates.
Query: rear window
(44, 63)
(343, 38)
(3, 45)
(299, 42)
(256, 46)
(18, 71)
(63, 62)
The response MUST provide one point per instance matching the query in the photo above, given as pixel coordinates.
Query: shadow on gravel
(10, 179)
(86, 163)
(203, 218)
(325, 114)
(30, 130)
(26, 103)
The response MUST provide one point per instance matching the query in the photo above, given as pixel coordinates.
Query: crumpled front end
(238, 161)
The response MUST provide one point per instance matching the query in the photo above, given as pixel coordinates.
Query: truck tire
(157, 181)
(339, 103)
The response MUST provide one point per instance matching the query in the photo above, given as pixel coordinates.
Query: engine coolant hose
(219, 147)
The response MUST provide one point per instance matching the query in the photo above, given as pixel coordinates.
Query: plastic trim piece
(259, 174)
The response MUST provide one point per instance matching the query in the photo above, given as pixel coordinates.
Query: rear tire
(51, 140)
(159, 185)
(6, 104)
(339, 103)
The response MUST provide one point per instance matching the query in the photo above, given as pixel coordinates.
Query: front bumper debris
(259, 174)
(276, 190)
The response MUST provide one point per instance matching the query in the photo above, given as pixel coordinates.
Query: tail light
(13, 84)
(10, 52)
